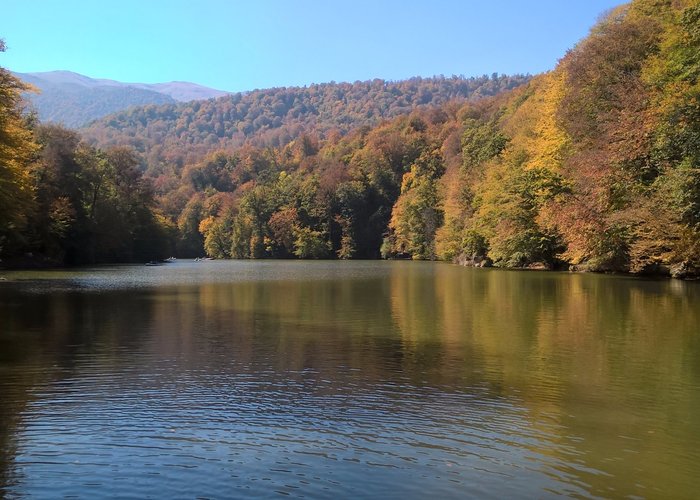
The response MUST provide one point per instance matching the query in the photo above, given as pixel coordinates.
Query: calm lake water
(347, 379)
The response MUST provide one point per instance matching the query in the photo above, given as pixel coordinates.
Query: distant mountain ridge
(75, 100)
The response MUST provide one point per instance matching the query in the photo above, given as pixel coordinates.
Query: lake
(349, 379)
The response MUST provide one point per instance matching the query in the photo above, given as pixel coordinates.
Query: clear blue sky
(235, 45)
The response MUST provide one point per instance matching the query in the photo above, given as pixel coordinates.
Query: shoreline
(663, 273)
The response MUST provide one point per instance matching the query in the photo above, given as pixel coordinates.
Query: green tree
(418, 213)
(310, 244)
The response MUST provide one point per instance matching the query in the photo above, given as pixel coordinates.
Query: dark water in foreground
(347, 379)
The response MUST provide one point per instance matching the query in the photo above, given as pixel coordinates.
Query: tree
(191, 242)
(17, 147)
(418, 212)
(310, 244)
(282, 224)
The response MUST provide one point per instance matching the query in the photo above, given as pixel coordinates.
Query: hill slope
(74, 99)
(186, 132)
(595, 165)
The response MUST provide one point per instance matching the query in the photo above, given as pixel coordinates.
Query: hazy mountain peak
(186, 91)
(74, 99)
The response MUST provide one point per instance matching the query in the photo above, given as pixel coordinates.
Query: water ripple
(324, 380)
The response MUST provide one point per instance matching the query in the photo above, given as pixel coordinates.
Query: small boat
(154, 263)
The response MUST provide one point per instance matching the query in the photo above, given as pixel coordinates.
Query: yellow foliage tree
(17, 148)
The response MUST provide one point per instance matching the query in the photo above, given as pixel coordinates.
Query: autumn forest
(593, 166)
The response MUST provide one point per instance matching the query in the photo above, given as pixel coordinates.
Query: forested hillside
(183, 133)
(592, 166)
